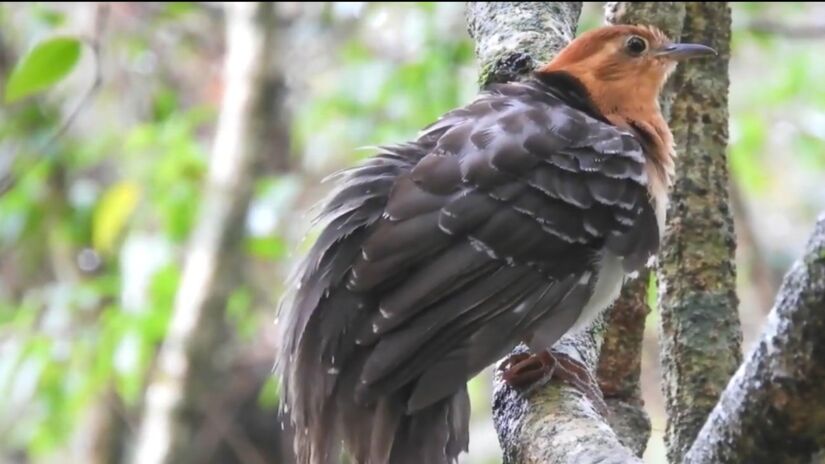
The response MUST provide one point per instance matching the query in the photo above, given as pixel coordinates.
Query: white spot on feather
(520, 308)
(444, 229)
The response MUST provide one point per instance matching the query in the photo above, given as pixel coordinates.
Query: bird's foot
(523, 370)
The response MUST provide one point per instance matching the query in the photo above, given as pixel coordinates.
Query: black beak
(683, 51)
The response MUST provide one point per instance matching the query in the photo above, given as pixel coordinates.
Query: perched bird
(515, 218)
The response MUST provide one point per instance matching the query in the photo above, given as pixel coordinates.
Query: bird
(514, 219)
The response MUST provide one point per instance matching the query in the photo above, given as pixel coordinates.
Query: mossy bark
(699, 322)
(513, 38)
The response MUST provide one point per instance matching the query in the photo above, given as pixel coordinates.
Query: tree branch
(556, 423)
(700, 328)
(773, 410)
(512, 38)
(553, 423)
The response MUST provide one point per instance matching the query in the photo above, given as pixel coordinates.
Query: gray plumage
(438, 256)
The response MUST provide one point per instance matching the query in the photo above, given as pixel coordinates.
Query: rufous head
(623, 66)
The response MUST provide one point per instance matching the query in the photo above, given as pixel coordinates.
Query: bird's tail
(381, 432)
(331, 420)
(320, 363)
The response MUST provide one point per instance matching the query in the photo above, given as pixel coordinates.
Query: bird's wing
(498, 226)
(439, 256)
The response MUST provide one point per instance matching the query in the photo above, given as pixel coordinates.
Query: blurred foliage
(93, 226)
(73, 327)
(49, 62)
(374, 94)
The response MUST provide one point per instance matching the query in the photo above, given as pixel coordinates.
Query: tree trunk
(196, 353)
(700, 329)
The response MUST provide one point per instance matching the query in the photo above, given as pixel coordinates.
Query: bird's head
(623, 67)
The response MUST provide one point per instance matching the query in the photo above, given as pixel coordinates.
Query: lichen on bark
(699, 323)
(512, 38)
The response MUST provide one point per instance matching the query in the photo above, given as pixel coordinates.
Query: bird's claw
(523, 370)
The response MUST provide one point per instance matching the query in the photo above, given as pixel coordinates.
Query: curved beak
(683, 51)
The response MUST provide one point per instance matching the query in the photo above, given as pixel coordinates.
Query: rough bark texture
(195, 349)
(773, 411)
(553, 423)
(700, 329)
(620, 365)
(513, 38)
(620, 359)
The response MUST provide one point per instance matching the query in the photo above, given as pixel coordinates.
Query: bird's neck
(653, 131)
(635, 109)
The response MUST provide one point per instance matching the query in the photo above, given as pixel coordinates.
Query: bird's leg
(523, 370)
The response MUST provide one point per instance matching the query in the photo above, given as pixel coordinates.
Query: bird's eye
(636, 45)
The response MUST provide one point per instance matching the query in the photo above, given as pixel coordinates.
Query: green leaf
(114, 209)
(45, 65)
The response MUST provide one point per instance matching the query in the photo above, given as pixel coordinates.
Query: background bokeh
(94, 220)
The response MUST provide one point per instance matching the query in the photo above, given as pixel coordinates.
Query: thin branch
(773, 410)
